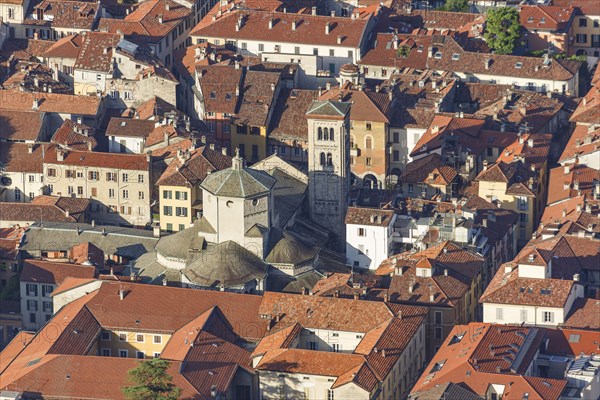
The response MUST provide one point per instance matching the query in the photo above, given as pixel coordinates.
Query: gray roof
(291, 284)
(56, 236)
(256, 231)
(147, 268)
(242, 182)
(328, 108)
(227, 264)
(291, 249)
(181, 244)
(288, 194)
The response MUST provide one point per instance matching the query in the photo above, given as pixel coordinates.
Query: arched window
(320, 133)
(331, 134)
(329, 160)
(322, 161)
(326, 134)
(368, 142)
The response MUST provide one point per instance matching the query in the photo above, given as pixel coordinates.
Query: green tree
(151, 382)
(502, 29)
(456, 6)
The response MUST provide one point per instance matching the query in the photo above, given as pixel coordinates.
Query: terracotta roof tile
(310, 29)
(50, 102)
(584, 141)
(288, 120)
(588, 110)
(554, 18)
(129, 127)
(579, 181)
(369, 216)
(75, 136)
(53, 272)
(100, 160)
(21, 125)
(193, 166)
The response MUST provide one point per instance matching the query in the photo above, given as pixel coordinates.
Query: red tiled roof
(579, 181)
(466, 129)
(67, 47)
(588, 110)
(192, 171)
(529, 148)
(49, 102)
(309, 30)
(21, 125)
(369, 216)
(144, 21)
(97, 51)
(100, 160)
(383, 53)
(467, 358)
(53, 272)
(366, 105)
(75, 136)
(553, 18)
(584, 141)
(288, 120)
(129, 127)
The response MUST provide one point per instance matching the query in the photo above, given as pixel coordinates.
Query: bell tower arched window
(320, 133)
(325, 133)
(322, 159)
(329, 160)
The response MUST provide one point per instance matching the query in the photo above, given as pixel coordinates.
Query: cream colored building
(179, 186)
(117, 184)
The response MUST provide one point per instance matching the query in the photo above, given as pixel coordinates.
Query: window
(315, 51)
(123, 353)
(167, 210)
(331, 52)
(244, 46)
(261, 47)
(98, 77)
(330, 395)
(140, 178)
(157, 339)
(395, 155)
(51, 172)
(125, 178)
(438, 318)
(47, 306)
(31, 289)
(523, 315)
(111, 176)
(167, 194)
(32, 305)
(156, 354)
(396, 137)
(573, 338)
(122, 337)
(125, 194)
(111, 193)
(362, 232)
(139, 338)
(169, 227)
(582, 22)
(93, 175)
(369, 140)
(11, 13)
(181, 211)
(548, 316)
(31, 178)
(17, 194)
(105, 353)
(581, 38)
(105, 335)
(499, 314)
(313, 346)
(297, 50)
(32, 318)
(140, 195)
(438, 332)
(94, 192)
(335, 347)
(46, 290)
(410, 188)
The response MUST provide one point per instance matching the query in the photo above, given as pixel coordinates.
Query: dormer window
(519, 65)
(438, 55)
(213, 95)
(530, 19)
(542, 20)
(455, 57)
(228, 96)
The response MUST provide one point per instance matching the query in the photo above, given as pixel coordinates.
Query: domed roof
(227, 264)
(290, 249)
(349, 69)
(238, 181)
(180, 244)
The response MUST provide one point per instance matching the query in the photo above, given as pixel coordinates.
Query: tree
(502, 29)
(456, 6)
(151, 382)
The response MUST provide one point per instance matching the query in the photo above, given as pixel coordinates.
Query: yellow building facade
(252, 142)
(177, 207)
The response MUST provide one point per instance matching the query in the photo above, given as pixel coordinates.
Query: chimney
(237, 65)
(356, 296)
(488, 62)
(445, 271)
(390, 95)
(167, 5)
(30, 148)
(339, 39)
(530, 142)
(576, 185)
(578, 207)
(333, 13)
(121, 294)
(271, 23)
(435, 129)
(160, 18)
(430, 52)
(431, 297)
(386, 297)
(521, 140)
(485, 165)
(224, 151)
(566, 169)
(336, 293)
(564, 213)
(576, 277)
(304, 291)
(320, 91)
(313, 11)
(93, 223)
(410, 287)
(272, 87)
(60, 154)
(294, 25)
(166, 138)
(327, 28)
(36, 103)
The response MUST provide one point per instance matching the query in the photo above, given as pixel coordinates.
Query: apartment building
(37, 282)
(179, 186)
(117, 184)
(548, 27)
(368, 236)
(320, 45)
(21, 178)
(585, 36)
(163, 25)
